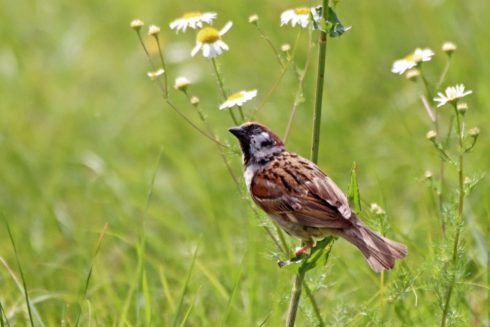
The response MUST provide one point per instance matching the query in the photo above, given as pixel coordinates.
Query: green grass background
(82, 128)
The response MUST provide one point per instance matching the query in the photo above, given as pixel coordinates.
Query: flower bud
(474, 132)
(449, 47)
(431, 135)
(376, 209)
(182, 83)
(137, 24)
(286, 47)
(428, 174)
(462, 107)
(254, 19)
(153, 30)
(195, 101)
(412, 74)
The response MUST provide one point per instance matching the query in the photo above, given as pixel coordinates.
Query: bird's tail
(379, 251)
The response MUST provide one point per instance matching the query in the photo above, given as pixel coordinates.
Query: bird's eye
(266, 143)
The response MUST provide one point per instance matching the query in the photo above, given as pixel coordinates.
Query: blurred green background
(82, 128)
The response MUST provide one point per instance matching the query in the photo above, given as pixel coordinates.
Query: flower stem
(242, 116)
(316, 309)
(271, 45)
(165, 81)
(299, 91)
(294, 302)
(221, 87)
(434, 115)
(299, 277)
(317, 115)
(459, 222)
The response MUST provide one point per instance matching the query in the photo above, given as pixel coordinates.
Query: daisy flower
(209, 40)
(193, 19)
(154, 75)
(412, 60)
(300, 15)
(451, 94)
(238, 99)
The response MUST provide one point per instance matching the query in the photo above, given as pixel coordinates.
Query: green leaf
(318, 257)
(332, 24)
(353, 194)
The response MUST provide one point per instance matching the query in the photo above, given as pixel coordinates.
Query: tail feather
(380, 252)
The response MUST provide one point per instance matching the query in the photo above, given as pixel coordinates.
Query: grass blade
(184, 290)
(22, 277)
(353, 193)
(3, 322)
(232, 296)
(89, 275)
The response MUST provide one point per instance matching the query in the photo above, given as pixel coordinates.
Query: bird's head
(258, 143)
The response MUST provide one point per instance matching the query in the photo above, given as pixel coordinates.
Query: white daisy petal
(411, 60)
(451, 94)
(225, 28)
(193, 20)
(299, 16)
(207, 50)
(196, 49)
(238, 99)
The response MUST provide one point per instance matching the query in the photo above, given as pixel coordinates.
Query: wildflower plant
(452, 142)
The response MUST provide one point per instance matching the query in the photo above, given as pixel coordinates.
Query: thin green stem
(434, 115)
(298, 278)
(194, 125)
(442, 78)
(219, 79)
(271, 45)
(21, 271)
(242, 116)
(294, 301)
(459, 222)
(165, 75)
(278, 80)
(299, 91)
(316, 308)
(317, 115)
(146, 50)
(221, 87)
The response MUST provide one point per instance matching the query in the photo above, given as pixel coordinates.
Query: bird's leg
(306, 246)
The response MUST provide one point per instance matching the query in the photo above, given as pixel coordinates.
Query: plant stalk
(459, 129)
(295, 297)
(221, 86)
(317, 114)
(298, 278)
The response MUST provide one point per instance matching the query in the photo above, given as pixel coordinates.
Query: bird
(303, 200)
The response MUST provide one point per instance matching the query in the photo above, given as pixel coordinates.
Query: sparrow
(303, 200)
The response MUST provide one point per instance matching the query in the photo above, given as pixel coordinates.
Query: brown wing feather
(298, 187)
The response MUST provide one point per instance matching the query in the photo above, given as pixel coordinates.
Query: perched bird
(304, 201)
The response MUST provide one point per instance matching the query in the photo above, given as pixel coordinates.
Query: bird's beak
(237, 131)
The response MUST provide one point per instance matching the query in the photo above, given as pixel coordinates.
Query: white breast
(249, 174)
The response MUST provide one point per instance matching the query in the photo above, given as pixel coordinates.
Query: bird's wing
(303, 194)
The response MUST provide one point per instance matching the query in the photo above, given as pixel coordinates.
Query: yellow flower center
(302, 11)
(191, 14)
(235, 96)
(413, 58)
(208, 35)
